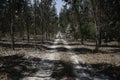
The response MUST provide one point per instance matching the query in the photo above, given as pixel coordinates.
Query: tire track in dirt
(54, 63)
(46, 65)
(81, 71)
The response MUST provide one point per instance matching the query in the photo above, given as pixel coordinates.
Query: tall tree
(96, 15)
(35, 29)
(78, 12)
(12, 16)
(27, 17)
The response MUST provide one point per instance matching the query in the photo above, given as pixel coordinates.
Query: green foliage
(79, 15)
(63, 19)
(111, 19)
(88, 31)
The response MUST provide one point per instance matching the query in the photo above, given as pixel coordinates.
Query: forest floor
(60, 60)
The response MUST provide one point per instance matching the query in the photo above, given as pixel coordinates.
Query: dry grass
(9, 52)
(111, 58)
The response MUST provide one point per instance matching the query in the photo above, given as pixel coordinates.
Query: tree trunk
(81, 32)
(11, 25)
(28, 33)
(96, 15)
(118, 41)
(82, 39)
(97, 37)
(12, 34)
(42, 23)
(35, 31)
(0, 35)
(42, 34)
(79, 21)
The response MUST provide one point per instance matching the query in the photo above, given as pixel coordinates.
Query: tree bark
(96, 15)
(78, 19)
(42, 24)
(35, 31)
(97, 37)
(11, 25)
(28, 33)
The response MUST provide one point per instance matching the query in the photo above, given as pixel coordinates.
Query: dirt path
(56, 64)
(82, 72)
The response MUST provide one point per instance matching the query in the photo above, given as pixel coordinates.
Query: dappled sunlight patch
(51, 56)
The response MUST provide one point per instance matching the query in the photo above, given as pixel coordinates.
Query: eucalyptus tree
(27, 17)
(63, 19)
(111, 19)
(3, 8)
(107, 18)
(53, 21)
(12, 18)
(15, 8)
(78, 15)
(48, 17)
(96, 16)
(66, 18)
(35, 27)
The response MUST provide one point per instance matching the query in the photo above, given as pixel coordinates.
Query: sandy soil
(112, 58)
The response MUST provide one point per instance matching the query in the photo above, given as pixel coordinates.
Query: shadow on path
(17, 66)
(112, 71)
(63, 70)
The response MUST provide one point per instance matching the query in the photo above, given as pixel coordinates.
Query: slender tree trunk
(100, 40)
(97, 37)
(81, 32)
(35, 31)
(11, 25)
(12, 34)
(46, 34)
(118, 41)
(27, 26)
(82, 40)
(96, 15)
(28, 33)
(42, 22)
(78, 19)
(42, 34)
(0, 35)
